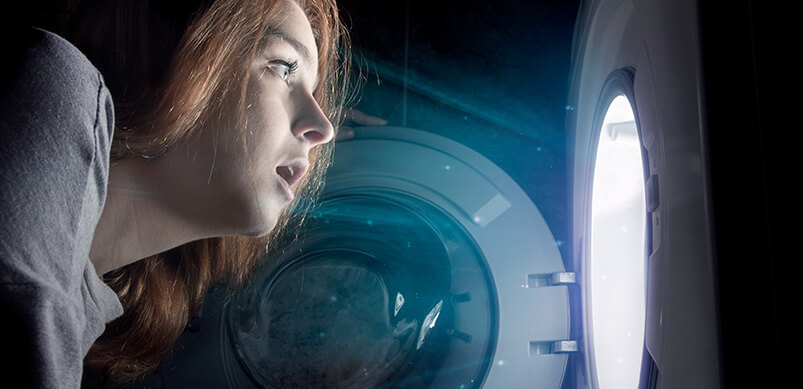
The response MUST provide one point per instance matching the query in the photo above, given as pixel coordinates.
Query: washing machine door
(641, 223)
(423, 265)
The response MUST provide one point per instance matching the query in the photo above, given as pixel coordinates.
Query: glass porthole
(384, 291)
(616, 264)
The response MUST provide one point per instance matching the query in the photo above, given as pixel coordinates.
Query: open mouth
(286, 172)
(292, 172)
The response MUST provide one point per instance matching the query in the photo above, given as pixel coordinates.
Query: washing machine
(424, 265)
(641, 220)
(676, 186)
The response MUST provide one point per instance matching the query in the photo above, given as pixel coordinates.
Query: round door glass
(377, 294)
(617, 256)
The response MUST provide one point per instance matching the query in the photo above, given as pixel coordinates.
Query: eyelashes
(284, 69)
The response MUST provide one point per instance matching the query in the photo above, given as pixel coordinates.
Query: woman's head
(213, 94)
(222, 94)
(261, 130)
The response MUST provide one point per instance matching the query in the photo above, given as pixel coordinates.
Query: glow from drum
(617, 258)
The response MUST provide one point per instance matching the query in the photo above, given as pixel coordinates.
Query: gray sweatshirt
(56, 125)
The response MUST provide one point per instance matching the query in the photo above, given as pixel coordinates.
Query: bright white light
(617, 259)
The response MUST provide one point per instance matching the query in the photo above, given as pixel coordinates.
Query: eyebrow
(300, 48)
(270, 35)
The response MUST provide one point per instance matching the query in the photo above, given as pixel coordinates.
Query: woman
(221, 126)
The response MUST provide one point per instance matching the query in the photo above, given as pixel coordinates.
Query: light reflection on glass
(399, 303)
(429, 323)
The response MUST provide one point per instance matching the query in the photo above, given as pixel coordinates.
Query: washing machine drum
(412, 272)
(366, 301)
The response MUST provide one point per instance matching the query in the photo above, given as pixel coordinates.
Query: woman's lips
(290, 173)
(288, 193)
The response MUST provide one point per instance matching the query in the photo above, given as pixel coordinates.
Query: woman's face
(283, 123)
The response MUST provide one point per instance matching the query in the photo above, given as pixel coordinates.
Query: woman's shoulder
(44, 68)
(56, 125)
(35, 47)
(46, 78)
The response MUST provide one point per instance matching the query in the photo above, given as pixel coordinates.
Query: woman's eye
(284, 69)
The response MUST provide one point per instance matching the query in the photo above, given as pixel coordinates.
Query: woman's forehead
(292, 25)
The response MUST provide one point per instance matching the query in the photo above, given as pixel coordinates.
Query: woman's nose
(312, 125)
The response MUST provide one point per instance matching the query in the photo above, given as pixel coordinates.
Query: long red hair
(169, 69)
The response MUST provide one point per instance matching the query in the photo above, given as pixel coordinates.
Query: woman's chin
(250, 214)
(253, 218)
(260, 228)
